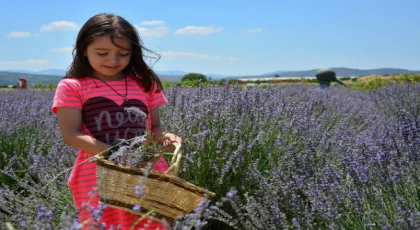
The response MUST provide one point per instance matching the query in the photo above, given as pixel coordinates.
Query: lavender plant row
(33, 191)
(302, 157)
(299, 157)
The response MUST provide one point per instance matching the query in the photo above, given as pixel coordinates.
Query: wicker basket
(167, 195)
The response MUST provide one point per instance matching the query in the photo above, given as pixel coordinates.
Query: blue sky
(228, 37)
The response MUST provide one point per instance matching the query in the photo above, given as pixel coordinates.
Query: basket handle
(176, 159)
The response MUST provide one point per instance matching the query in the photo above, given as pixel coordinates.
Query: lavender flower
(297, 156)
(137, 207)
(136, 111)
(140, 190)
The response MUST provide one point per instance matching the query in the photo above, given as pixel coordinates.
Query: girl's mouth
(111, 67)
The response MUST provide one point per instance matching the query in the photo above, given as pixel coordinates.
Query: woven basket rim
(155, 175)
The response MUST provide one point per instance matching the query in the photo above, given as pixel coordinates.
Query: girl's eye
(104, 54)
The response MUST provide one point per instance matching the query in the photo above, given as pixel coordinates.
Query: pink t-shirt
(104, 117)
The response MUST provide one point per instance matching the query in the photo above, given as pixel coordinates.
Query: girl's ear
(84, 50)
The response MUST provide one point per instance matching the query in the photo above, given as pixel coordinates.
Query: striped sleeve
(156, 98)
(67, 94)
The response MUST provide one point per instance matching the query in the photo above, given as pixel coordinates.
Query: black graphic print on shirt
(108, 122)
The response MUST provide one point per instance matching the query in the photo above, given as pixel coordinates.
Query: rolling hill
(53, 76)
(344, 72)
(12, 78)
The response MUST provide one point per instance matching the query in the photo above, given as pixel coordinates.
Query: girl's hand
(169, 138)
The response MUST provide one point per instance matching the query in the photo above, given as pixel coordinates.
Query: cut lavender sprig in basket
(137, 150)
(133, 152)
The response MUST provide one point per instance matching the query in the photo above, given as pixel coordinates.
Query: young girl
(108, 74)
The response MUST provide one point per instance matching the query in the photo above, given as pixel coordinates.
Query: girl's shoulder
(73, 81)
(133, 81)
(153, 88)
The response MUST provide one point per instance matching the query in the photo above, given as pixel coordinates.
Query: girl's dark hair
(114, 26)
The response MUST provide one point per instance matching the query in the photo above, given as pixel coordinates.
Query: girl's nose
(114, 58)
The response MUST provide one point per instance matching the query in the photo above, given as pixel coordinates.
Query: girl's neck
(109, 78)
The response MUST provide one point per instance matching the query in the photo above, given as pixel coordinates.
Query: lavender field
(285, 157)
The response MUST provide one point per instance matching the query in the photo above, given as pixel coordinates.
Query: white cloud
(17, 34)
(200, 30)
(155, 32)
(62, 49)
(28, 64)
(233, 59)
(152, 23)
(59, 25)
(36, 61)
(174, 54)
(254, 30)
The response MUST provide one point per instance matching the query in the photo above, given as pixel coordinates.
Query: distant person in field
(325, 76)
(108, 74)
(22, 84)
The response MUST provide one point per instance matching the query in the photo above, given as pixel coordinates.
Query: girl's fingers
(172, 138)
(166, 142)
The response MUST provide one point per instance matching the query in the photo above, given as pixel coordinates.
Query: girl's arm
(159, 132)
(70, 122)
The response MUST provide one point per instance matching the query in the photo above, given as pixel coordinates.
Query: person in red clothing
(107, 75)
(22, 84)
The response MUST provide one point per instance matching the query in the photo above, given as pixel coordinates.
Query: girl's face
(108, 60)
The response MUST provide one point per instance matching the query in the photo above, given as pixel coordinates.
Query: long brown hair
(113, 26)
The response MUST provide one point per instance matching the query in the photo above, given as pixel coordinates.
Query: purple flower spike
(137, 207)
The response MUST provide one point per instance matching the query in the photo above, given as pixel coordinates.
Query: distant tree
(194, 77)
(39, 85)
(232, 81)
(276, 75)
(167, 84)
(52, 86)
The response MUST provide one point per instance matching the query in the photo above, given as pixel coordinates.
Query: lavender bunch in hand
(139, 150)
